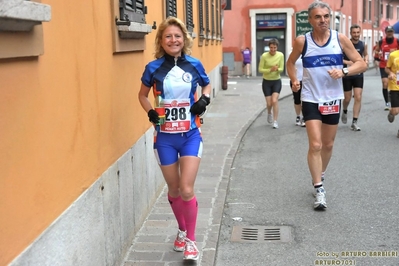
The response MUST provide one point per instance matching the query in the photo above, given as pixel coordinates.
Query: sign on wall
(302, 24)
(270, 24)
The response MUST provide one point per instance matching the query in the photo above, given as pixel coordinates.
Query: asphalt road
(270, 185)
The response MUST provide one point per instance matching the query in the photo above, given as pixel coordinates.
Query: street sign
(302, 24)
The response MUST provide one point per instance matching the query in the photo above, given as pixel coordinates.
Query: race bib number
(177, 116)
(329, 108)
(386, 56)
(397, 78)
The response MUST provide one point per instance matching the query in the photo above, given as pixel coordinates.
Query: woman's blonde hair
(188, 41)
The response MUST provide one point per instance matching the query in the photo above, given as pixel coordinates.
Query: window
(171, 9)
(189, 16)
(207, 30)
(218, 19)
(132, 10)
(201, 19)
(130, 27)
(376, 14)
(213, 19)
(364, 10)
(389, 12)
(21, 31)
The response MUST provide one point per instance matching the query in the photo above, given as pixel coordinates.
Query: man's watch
(345, 71)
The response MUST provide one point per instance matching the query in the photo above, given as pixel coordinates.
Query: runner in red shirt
(385, 47)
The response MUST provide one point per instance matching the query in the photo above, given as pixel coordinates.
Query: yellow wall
(67, 115)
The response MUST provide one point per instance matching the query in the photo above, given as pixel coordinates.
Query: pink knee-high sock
(190, 216)
(177, 208)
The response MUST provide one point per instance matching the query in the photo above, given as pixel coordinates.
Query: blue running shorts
(169, 147)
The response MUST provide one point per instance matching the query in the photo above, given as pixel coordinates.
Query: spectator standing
(246, 61)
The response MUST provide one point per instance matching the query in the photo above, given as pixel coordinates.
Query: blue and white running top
(177, 80)
(317, 85)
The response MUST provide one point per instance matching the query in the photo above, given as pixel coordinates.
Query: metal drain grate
(261, 234)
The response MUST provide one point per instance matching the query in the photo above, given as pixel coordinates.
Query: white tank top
(317, 85)
(299, 68)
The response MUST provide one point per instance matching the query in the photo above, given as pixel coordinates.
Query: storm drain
(261, 234)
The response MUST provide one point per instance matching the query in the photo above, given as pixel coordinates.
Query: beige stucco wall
(68, 115)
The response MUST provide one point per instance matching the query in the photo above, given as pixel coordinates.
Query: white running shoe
(355, 127)
(386, 107)
(344, 118)
(191, 251)
(320, 201)
(269, 118)
(180, 241)
(275, 124)
(298, 121)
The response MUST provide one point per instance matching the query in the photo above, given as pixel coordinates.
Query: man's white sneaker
(344, 118)
(275, 124)
(355, 127)
(298, 121)
(320, 201)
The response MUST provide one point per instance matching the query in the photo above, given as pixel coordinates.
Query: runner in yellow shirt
(392, 69)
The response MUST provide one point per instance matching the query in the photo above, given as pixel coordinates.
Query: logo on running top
(187, 77)
(173, 103)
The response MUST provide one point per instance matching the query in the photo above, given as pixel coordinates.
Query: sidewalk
(225, 123)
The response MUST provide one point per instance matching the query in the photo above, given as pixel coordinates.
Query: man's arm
(296, 52)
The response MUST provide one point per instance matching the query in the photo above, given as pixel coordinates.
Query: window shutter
(171, 9)
(132, 10)
(189, 15)
(217, 18)
(213, 18)
(201, 18)
(207, 30)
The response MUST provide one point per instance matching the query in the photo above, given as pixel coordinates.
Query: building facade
(77, 170)
(252, 23)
